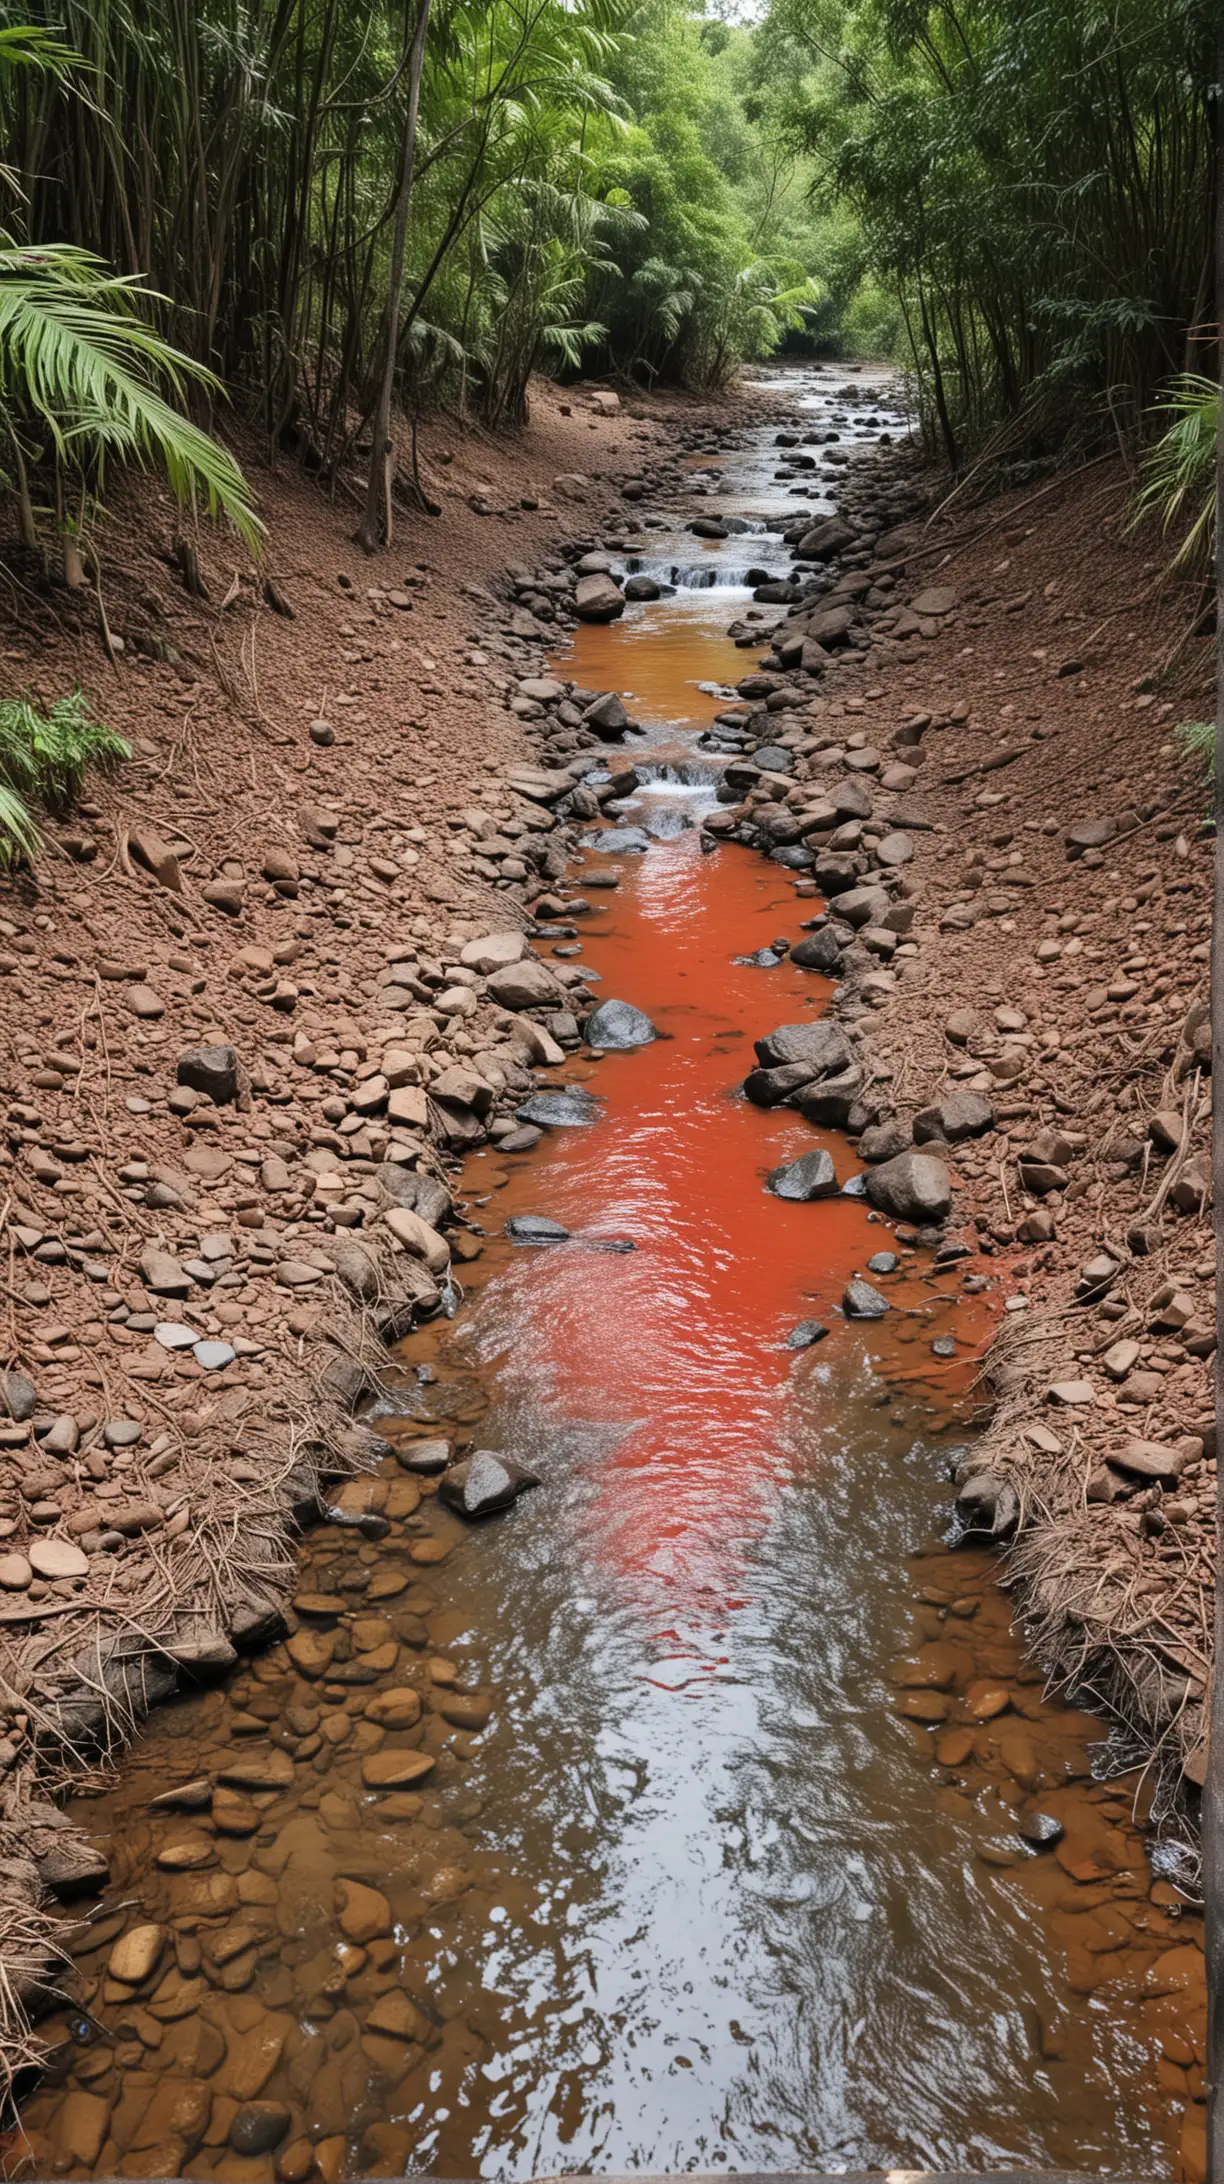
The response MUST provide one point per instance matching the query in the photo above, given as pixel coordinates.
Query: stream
(724, 1850)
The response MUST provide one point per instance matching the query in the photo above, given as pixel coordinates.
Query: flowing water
(718, 1862)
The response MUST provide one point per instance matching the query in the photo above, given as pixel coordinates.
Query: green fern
(44, 758)
(1178, 478)
(1199, 738)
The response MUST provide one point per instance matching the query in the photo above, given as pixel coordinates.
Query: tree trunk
(1213, 1799)
(376, 527)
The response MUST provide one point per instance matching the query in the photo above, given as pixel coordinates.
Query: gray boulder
(526, 985)
(820, 1044)
(961, 1115)
(861, 1301)
(568, 1108)
(811, 1176)
(912, 1187)
(616, 1025)
(484, 1483)
(535, 1228)
(213, 1069)
(598, 599)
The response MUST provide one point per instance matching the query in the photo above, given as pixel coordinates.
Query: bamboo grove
(1034, 184)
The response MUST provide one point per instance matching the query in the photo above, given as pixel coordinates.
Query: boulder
(484, 1482)
(571, 1107)
(958, 1116)
(526, 985)
(535, 1228)
(598, 599)
(912, 1187)
(616, 1025)
(861, 1301)
(419, 1238)
(811, 1176)
(495, 952)
(824, 540)
(818, 952)
(819, 1044)
(606, 718)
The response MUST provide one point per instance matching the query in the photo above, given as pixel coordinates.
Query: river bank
(451, 1122)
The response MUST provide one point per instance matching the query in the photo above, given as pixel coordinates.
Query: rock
(535, 1228)
(258, 1771)
(817, 952)
(911, 1187)
(811, 1176)
(397, 2017)
(824, 540)
(861, 1301)
(214, 1069)
(958, 1116)
(226, 894)
(820, 1045)
(1119, 1360)
(606, 718)
(143, 1002)
(598, 599)
(18, 1397)
(1040, 1828)
(883, 1262)
(484, 1482)
(804, 1333)
(935, 601)
(425, 1457)
(396, 1709)
(363, 1912)
(526, 985)
(395, 1770)
(894, 849)
(961, 1026)
(136, 1954)
(616, 1025)
(15, 1573)
(58, 1558)
(161, 1272)
(496, 952)
(419, 1238)
(1166, 1130)
(571, 1108)
(1148, 1459)
(643, 587)
(80, 2126)
(258, 2126)
(1071, 1393)
(1089, 834)
(619, 842)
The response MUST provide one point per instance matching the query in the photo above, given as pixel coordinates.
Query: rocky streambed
(698, 1803)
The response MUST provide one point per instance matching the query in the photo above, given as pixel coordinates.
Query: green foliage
(1033, 185)
(1177, 482)
(1199, 738)
(44, 758)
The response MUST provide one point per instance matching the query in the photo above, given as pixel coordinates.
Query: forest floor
(201, 1269)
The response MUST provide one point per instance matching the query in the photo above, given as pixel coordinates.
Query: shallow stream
(717, 1863)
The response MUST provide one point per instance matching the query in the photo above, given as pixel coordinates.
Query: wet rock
(425, 1457)
(811, 1176)
(912, 1187)
(861, 1301)
(363, 1912)
(484, 1482)
(535, 1228)
(621, 841)
(805, 1333)
(81, 2123)
(818, 952)
(820, 1045)
(1040, 1828)
(214, 1069)
(395, 1770)
(644, 587)
(883, 1262)
(136, 1954)
(606, 718)
(616, 1025)
(258, 2127)
(397, 2017)
(569, 1108)
(258, 1771)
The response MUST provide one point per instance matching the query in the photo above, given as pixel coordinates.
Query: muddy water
(716, 1850)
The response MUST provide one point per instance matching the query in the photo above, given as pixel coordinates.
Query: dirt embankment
(986, 773)
(246, 1039)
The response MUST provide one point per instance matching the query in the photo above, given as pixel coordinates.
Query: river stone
(419, 1193)
(806, 1332)
(136, 1954)
(397, 2017)
(418, 1238)
(883, 1262)
(258, 2127)
(535, 1228)
(57, 1558)
(616, 1025)
(258, 1771)
(911, 1187)
(960, 1115)
(484, 1482)
(569, 1108)
(606, 718)
(496, 952)
(598, 599)
(861, 1301)
(396, 1709)
(811, 1176)
(820, 1045)
(619, 841)
(424, 1456)
(1041, 1828)
(526, 985)
(363, 1912)
(817, 952)
(395, 1770)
